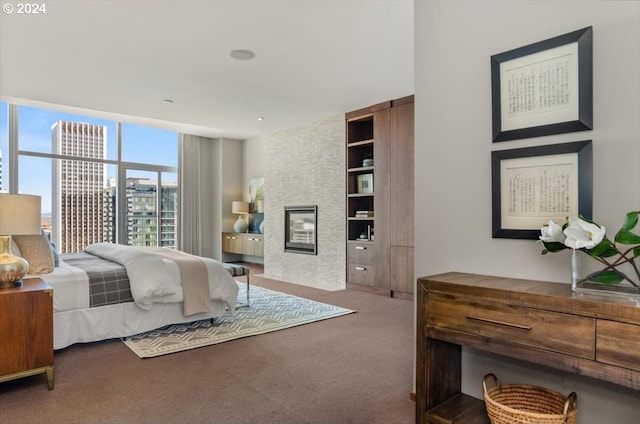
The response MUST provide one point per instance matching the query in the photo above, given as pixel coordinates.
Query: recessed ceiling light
(167, 101)
(260, 118)
(242, 54)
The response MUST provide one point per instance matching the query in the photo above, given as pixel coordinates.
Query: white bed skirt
(119, 320)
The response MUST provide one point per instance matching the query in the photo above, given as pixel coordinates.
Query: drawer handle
(361, 248)
(361, 268)
(493, 321)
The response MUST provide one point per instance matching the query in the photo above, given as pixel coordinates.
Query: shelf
(360, 169)
(360, 143)
(379, 179)
(460, 409)
(360, 130)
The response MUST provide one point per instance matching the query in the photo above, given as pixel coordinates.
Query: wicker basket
(522, 404)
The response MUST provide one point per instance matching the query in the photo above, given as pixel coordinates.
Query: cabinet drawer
(557, 332)
(232, 243)
(618, 344)
(361, 253)
(361, 274)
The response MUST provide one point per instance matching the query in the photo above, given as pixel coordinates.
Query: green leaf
(627, 237)
(553, 246)
(601, 248)
(609, 277)
(611, 251)
(630, 221)
(636, 252)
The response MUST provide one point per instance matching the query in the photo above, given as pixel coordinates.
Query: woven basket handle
(570, 403)
(492, 377)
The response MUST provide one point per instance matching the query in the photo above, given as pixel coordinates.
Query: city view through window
(89, 192)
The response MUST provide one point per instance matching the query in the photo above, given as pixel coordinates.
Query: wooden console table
(534, 321)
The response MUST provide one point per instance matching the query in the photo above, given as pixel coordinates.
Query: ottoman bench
(239, 271)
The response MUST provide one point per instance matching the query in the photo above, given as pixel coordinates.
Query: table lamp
(19, 214)
(241, 208)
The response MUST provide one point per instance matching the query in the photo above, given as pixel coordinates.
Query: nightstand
(26, 331)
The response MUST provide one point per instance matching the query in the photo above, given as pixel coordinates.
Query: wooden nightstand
(26, 331)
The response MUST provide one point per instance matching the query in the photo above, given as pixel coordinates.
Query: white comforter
(153, 279)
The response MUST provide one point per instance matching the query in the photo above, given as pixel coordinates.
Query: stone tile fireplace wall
(305, 166)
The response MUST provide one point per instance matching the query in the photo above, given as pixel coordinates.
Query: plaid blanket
(108, 281)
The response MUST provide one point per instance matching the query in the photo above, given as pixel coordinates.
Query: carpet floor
(268, 311)
(355, 369)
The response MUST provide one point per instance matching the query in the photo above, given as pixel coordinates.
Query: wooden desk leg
(49, 372)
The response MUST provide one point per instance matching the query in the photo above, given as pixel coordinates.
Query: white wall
(255, 165)
(454, 41)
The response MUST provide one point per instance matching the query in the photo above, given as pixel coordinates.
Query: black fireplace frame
(305, 239)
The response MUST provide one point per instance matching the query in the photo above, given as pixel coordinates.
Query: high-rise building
(109, 212)
(78, 186)
(84, 208)
(143, 217)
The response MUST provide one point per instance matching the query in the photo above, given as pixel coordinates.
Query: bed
(114, 291)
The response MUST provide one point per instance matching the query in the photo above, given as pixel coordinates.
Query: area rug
(269, 311)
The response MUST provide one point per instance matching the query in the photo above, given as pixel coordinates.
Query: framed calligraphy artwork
(544, 88)
(533, 185)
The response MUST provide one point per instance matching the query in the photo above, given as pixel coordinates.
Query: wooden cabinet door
(401, 196)
(402, 166)
(255, 245)
(381, 189)
(26, 327)
(232, 243)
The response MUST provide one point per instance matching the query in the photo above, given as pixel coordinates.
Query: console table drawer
(557, 332)
(618, 344)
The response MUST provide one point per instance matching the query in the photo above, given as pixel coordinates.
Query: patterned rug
(269, 311)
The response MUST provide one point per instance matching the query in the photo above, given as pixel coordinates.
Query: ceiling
(121, 58)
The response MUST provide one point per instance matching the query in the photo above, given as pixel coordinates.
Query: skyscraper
(78, 185)
(143, 218)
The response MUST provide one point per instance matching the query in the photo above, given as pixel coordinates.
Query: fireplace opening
(301, 229)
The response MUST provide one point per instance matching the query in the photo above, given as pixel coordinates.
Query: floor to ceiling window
(99, 180)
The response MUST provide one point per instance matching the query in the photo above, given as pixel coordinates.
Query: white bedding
(159, 298)
(155, 279)
(119, 320)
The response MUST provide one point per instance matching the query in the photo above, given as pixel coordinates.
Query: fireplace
(301, 229)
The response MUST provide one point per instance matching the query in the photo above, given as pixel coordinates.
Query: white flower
(552, 232)
(582, 234)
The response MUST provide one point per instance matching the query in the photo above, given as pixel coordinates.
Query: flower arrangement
(583, 235)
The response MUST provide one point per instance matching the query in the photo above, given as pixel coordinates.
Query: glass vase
(582, 265)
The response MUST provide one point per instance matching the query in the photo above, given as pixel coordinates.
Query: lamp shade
(240, 207)
(19, 214)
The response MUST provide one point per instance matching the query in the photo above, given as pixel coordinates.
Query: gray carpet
(354, 369)
(269, 311)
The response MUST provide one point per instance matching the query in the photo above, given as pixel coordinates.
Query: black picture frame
(301, 229)
(538, 184)
(534, 91)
